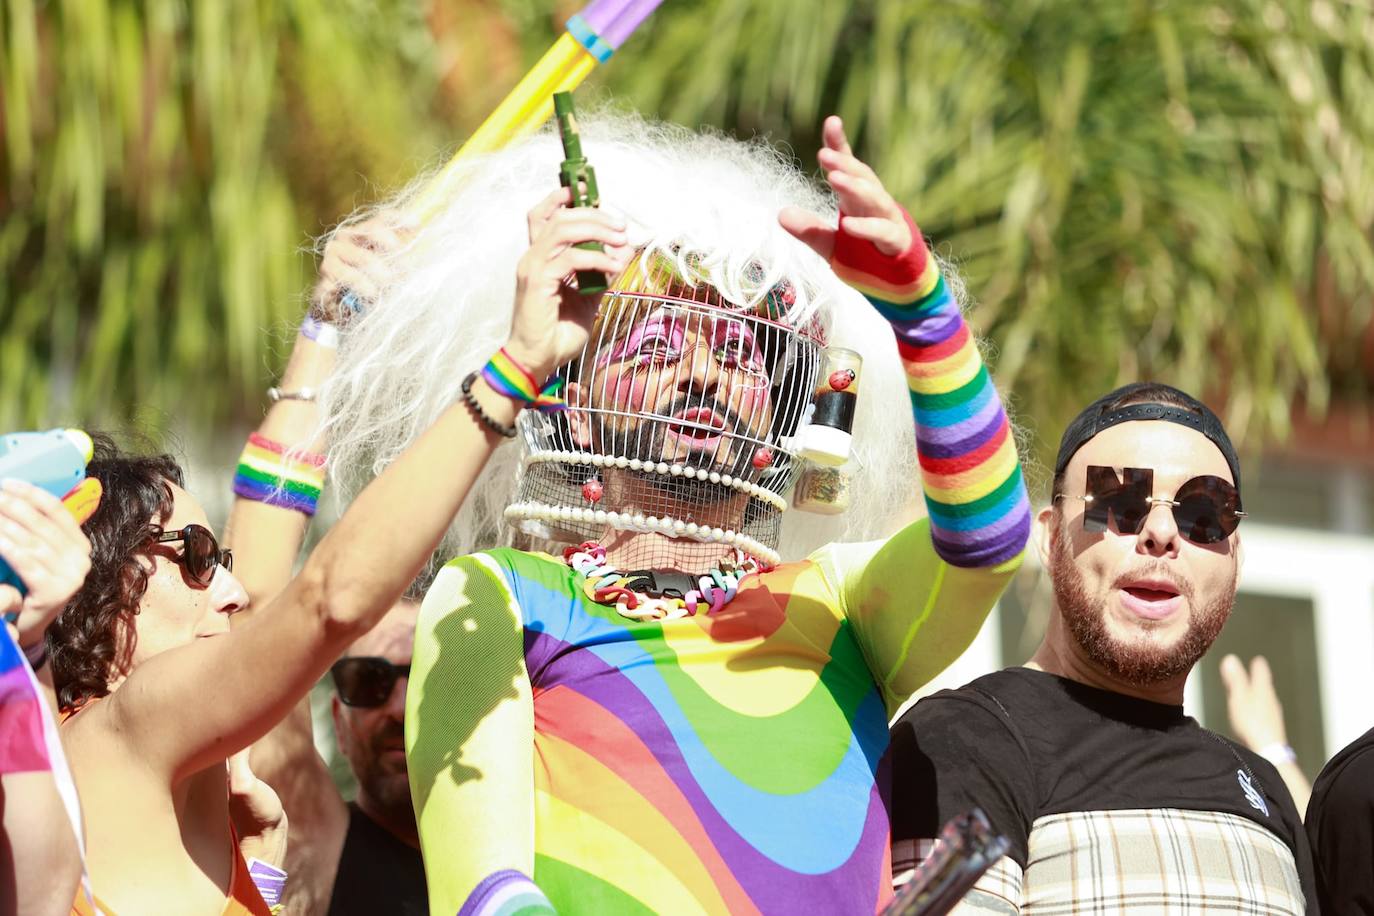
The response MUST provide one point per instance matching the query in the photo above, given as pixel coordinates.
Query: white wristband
(1278, 754)
(323, 333)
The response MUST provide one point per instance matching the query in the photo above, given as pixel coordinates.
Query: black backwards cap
(1099, 415)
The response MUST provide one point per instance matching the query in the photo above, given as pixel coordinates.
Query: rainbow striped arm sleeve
(974, 491)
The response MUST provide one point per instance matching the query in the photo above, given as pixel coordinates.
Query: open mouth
(1153, 599)
(699, 425)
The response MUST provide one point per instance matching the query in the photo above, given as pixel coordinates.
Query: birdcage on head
(682, 412)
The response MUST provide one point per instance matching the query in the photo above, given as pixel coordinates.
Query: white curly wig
(692, 196)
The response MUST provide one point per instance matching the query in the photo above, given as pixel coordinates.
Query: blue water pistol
(54, 461)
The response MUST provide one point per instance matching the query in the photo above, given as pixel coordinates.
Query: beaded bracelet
(486, 419)
(507, 377)
(270, 473)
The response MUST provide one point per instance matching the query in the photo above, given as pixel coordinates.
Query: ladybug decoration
(781, 298)
(841, 379)
(592, 491)
(763, 457)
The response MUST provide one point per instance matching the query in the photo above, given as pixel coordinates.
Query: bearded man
(682, 707)
(1112, 799)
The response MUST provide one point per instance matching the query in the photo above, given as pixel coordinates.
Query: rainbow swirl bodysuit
(565, 758)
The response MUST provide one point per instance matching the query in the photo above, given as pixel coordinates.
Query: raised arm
(364, 564)
(274, 499)
(939, 577)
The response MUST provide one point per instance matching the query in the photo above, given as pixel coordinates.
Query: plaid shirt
(1162, 860)
(1110, 803)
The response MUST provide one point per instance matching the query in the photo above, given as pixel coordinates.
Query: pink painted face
(703, 369)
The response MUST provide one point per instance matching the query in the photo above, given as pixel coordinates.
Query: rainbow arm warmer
(974, 492)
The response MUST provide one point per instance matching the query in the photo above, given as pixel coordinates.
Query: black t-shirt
(377, 873)
(1110, 802)
(1340, 824)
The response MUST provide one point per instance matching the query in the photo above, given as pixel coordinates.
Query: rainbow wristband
(509, 378)
(269, 473)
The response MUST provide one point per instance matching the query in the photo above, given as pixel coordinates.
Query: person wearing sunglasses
(342, 857)
(359, 856)
(159, 691)
(380, 840)
(1111, 797)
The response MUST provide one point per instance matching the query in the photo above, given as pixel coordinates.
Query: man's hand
(867, 210)
(552, 320)
(354, 269)
(46, 548)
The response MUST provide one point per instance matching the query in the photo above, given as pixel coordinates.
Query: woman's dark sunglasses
(1206, 509)
(366, 681)
(200, 553)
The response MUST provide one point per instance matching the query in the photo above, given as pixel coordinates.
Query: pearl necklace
(604, 584)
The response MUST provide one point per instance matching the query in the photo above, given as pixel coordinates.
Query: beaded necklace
(604, 584)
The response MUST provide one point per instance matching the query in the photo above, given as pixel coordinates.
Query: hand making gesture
(867, 211)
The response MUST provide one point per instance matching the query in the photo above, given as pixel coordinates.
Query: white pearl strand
(661, 467)
(637, 521)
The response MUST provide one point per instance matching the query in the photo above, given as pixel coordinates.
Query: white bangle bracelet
(1278, 754)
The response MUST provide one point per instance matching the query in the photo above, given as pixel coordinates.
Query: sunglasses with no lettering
(1206, 508)
(200, 553)
(366, 681)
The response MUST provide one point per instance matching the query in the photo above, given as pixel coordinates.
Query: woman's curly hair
(86, 641)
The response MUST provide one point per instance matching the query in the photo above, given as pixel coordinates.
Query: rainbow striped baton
(592, 36)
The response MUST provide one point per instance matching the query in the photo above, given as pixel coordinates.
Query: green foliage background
(1133, 189)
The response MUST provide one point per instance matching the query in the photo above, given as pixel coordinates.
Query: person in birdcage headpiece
(682, 417)
(692, 578)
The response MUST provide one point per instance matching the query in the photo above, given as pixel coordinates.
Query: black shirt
(1110, 802)
(377, 872)
(1340, 824)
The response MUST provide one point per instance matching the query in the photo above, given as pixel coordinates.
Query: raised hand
(354, 268)
(867, 211)
(552, 319)
(45, 546)
(1252, 704)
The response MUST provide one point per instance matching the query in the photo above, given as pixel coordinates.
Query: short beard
(1141, 663)
(388, 790)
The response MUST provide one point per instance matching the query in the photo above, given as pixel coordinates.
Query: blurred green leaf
(1131, 189)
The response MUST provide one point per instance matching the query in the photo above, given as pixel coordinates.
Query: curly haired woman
(159, 692)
